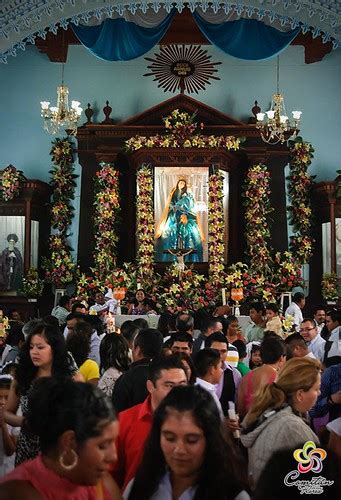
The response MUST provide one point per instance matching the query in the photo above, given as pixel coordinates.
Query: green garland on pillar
(216, 246)
(145, 226)
(300, 185)
(107, 209)
(257, 210)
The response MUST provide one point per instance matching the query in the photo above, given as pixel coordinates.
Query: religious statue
(179, 222)
(11, 265)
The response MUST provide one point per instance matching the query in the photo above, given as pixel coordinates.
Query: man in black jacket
(130, 389)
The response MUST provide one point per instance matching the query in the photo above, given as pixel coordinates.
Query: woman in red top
(77, 429)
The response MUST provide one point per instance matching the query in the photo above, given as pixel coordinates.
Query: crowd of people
(197, 408)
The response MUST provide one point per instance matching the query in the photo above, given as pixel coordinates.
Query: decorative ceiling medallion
(182, 67)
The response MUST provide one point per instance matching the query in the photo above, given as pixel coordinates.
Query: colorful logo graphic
(309, 458)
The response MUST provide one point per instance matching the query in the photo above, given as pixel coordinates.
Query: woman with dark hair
(189, 367)
(232, 330)
(136, 305)
(43, 354)
(114, 353)
(187, 455)
(179, 226)
(77, 428)
(78, 343)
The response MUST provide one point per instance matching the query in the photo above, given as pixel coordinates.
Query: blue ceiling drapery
(121, 40)
(246, 38)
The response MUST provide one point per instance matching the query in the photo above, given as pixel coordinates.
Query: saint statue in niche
(11, 265)
(179, 226)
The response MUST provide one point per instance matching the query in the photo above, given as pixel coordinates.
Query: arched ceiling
(21, 22)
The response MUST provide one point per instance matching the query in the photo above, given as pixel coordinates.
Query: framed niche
(24, 231)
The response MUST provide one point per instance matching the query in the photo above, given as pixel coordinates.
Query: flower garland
(330, 286)
(286, 272)
(63, 184)
(300, 184)
(180, 132)
(216, 228)
(145, 222)
(257, 204)
(60, 267)
(107, 208)
(11, 181)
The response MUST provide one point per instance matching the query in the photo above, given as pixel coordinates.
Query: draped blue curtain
(120, 40)
(246, 38)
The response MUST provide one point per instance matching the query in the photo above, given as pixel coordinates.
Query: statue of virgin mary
(179, 226)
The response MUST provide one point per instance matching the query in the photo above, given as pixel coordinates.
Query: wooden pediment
(206, 114)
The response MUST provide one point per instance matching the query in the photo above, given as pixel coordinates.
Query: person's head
(14, 315)
(114, 352)
(140, 295)
(5, 384)
(49, 319)
(181, 342)
(94, 321)
(271, 310)
(77, 428)
(99, 298)
(219, 343)
(298, 385)
(211, 325)
(166, 323)
(296, 346)
(255, 357)
(149, 305)
(241, 348)
(164, 373)
(308, 329)
(140, 323)
(184, 323)
(319, 314)
(232, 326)
(181, 186)
(208, 365)
(333, 319)
(129, 331)
(186, 439)
(12, 240)
(147, 344)
(15, 335)
(273, 351)
(72, 319)
(299, 299)
(78, 342)
(188, 365)
(256, 312)
(79, 307)
(44, 350)
(65, 301)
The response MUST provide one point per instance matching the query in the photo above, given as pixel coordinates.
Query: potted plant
(32, 285)
(330, 283)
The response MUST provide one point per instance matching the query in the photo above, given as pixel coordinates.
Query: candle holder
(237, 295)
(119, 294)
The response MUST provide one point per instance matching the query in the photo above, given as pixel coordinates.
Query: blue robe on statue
(180, 230)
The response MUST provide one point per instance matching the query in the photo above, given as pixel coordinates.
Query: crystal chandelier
(61, 116)
(274, 124)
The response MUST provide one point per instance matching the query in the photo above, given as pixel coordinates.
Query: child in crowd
(273, 321)
(7, 437)
(255, 357)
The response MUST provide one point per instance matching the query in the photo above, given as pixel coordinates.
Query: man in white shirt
(103, 305)
(313, 339)
(297, 347)
(320, 317)
(209, 370)
(295, 309)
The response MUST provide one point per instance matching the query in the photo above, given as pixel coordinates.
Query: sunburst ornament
(180, 67)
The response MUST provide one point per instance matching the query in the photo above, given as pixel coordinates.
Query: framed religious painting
(180, 206)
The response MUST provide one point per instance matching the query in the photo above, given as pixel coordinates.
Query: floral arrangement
(330, 286)
(63, 184)
(300, 184)
(60, 268)
(257, 210)
(123, 277)
(286, 272)
(11, 181)
(216, 228)
(145, 223)
(86, 285)
(256, 285)
(4, 323)
(32, 285)
(190, 293)
(181, 128)
(107, 208)
(288, 325)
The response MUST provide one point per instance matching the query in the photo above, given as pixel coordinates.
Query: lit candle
(223, 296)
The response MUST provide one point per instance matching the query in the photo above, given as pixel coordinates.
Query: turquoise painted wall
(30, 78)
